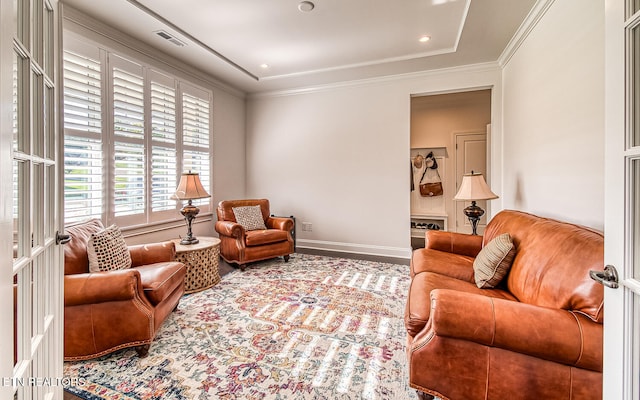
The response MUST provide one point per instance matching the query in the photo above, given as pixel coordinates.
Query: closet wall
(435, 119)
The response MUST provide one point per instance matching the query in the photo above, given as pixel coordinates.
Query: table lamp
(474, 187)
(190, 188)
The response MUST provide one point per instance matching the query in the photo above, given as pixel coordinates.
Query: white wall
(554, 116)
(337, 157)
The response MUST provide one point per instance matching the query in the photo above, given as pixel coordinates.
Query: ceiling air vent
(171, 38)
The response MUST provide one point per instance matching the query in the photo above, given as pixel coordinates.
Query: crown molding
(471, 68)
(530, 22)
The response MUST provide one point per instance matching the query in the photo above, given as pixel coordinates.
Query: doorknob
(608, 277)
(61, 238)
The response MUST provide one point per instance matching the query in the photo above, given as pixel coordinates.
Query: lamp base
(189, 211)
(188, 241)
(473, 212)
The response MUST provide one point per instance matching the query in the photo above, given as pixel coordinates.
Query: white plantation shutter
(82, 93)
(83, 150)
(195, 120)
(128, 104)
(129, 146)
(130, 131)
(164, 158)
(195, 140)
(163, 113)
(163, 178)
(83, 189)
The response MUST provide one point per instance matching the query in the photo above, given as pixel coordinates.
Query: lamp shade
(474, 187)
(190, 187)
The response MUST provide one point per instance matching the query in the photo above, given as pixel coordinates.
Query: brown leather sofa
(538, 335)
(107, 311)
(240, 246)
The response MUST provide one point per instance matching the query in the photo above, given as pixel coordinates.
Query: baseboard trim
(397, 253)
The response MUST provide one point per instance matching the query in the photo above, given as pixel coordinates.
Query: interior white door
(622, 199)
(34, 173)
(471, 155)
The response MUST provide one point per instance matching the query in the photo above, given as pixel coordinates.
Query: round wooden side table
(201, 260)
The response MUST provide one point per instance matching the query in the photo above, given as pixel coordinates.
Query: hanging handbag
(431, 189)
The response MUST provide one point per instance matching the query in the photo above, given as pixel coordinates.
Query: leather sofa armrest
(453, 242)
(229, 228)
(551, 334)
(281, 223)
(101, 287)
(152, 253)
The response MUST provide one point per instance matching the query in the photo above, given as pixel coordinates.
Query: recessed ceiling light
(264, 66)
(306, 6)
(425, 39)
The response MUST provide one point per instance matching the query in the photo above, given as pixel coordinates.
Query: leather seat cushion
(265, 236)
(159, 280)
(418, 306)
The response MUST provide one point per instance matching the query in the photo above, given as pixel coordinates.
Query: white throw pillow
(250, 217)
(108, 251)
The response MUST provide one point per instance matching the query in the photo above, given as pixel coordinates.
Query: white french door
(622, 199)
(29, 179)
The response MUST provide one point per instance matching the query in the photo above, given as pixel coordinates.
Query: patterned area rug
(313, 328)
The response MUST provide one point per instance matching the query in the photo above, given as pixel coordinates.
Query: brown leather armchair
(108, 311)
(239, 246)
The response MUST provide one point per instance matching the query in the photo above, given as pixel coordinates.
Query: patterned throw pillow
(493, 261)
(108, 251)
(250, 217)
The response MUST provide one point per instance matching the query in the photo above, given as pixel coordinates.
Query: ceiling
(266, 45)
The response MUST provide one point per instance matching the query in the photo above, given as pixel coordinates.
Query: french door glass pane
(15, 212)
(48, 40)
(38, 36)
(21, 226)
(16, 100)
(635, 6)
(49, 200)
(22, 24)
(635, 98)
(635, 201)
(48, 122)
(37, 109)
(634, 186)
(21, 134)
(38, 205)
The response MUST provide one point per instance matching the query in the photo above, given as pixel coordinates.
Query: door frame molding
(6, 191)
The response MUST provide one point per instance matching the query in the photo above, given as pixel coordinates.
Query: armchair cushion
(493, 261)
(257, 238)
(250, 217)
(107, 250)
(159, 280)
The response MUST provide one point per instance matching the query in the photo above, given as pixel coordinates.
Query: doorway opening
(454, 128)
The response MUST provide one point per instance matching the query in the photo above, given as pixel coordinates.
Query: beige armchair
(241, 246)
